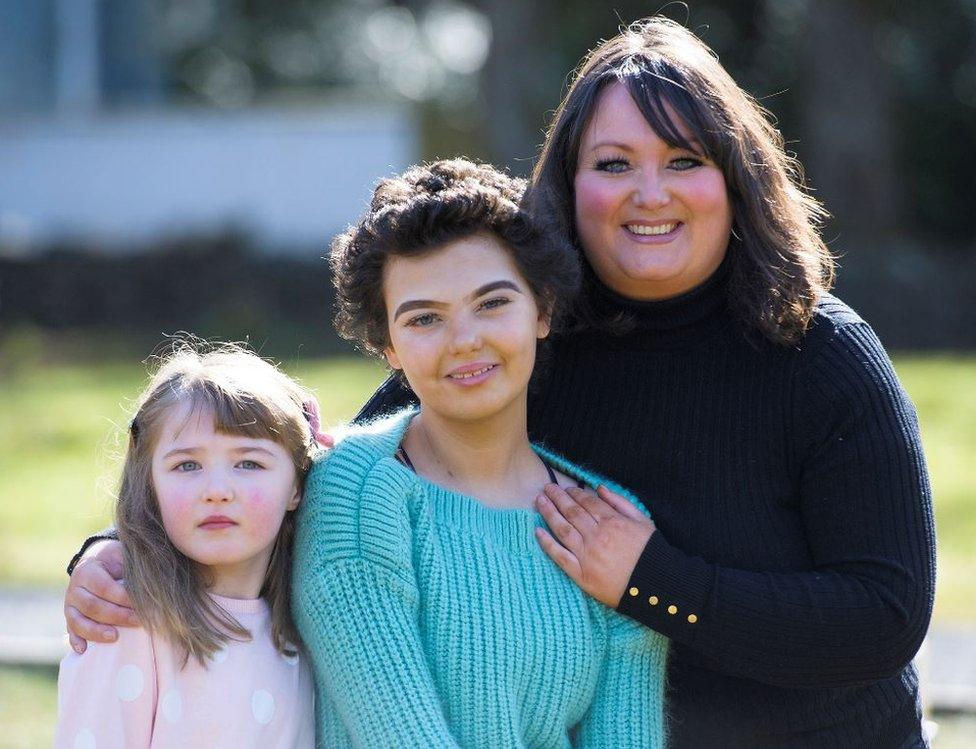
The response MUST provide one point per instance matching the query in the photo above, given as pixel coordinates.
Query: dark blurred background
(182, 164)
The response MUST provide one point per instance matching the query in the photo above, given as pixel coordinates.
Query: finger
(563, 557)
(592, 503)
(83, 627)
(570, 509)
(621, 504)
(99, 579)
(568, 535)
(78, 644)
(102, 611)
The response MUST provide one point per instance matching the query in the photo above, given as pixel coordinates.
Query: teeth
(651, 230)
(469, 375)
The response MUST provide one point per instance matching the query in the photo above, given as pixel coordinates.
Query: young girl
(217, 457)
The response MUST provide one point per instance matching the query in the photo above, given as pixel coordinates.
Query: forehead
(448, 272)
(190, 424)
(617, 118)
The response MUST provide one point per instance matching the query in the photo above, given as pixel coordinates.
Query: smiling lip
(217, 522)
(472, 374)
(652, 231)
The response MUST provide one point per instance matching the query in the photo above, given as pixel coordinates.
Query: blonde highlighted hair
(247, 396)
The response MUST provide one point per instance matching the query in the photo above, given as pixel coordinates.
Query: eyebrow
(413, 304)
(195, 450)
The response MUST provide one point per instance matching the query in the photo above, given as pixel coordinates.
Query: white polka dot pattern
(128, 683)
(140, 687)
(262, 706)
(84, 739)
(172, 705)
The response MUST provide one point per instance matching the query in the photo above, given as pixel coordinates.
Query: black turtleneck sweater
(793, 565)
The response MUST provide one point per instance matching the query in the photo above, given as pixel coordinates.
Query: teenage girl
(217, 456)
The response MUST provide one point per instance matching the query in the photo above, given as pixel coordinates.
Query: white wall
(291, 177)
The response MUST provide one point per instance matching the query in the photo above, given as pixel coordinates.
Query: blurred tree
(881, 93)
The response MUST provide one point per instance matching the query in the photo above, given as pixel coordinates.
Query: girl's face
(654, 220)
(222, 498)
(463, 326)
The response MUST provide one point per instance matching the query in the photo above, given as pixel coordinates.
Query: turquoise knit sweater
(435, 621)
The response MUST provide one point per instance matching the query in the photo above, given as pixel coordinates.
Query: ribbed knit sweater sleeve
(356, 603)
(863, 610)
(628, 707)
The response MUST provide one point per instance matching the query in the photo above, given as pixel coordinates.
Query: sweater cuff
(109, 534)
(668, 590)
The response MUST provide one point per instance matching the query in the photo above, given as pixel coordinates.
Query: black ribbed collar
(682, 319)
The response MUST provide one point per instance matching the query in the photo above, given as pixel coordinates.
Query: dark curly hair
(779, 263)
(427, 207)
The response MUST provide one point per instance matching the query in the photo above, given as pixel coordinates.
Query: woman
(756, 415)
(792, 562)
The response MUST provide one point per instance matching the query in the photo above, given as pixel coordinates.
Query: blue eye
(614, 166)
(186, 466)
(684, 163)
(422, 321)
(250, 465)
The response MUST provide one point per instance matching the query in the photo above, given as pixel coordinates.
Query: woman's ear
(543, 328)
(391, 358)
(545, 319)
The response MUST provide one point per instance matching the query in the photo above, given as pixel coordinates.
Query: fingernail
(110, 634)
(76, 648)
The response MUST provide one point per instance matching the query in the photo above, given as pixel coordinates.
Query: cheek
(417, 354)
(709, 198)
(595, 202)
(175, 507)
(265, 507)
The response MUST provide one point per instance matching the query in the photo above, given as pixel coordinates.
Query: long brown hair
(247, 396)
(780, 265)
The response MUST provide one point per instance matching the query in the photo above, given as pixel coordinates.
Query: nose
(219, 488)
(650, 189)
(465, 336)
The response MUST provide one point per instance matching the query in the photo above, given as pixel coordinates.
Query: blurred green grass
(61, 430)
(61, 426)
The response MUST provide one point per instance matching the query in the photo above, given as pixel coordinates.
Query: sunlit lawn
(59, 427)
(60, 438)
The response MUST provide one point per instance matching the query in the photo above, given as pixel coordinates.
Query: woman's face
(653, 220)
(463, 326)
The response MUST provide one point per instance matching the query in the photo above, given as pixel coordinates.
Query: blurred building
(94, 149)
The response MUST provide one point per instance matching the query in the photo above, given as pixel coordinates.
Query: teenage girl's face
(222, 498)
(654, 220)
(463, 327)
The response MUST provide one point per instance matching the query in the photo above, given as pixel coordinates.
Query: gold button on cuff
(672, 609)
(692, 618)
(653, 600)
(633, 592)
